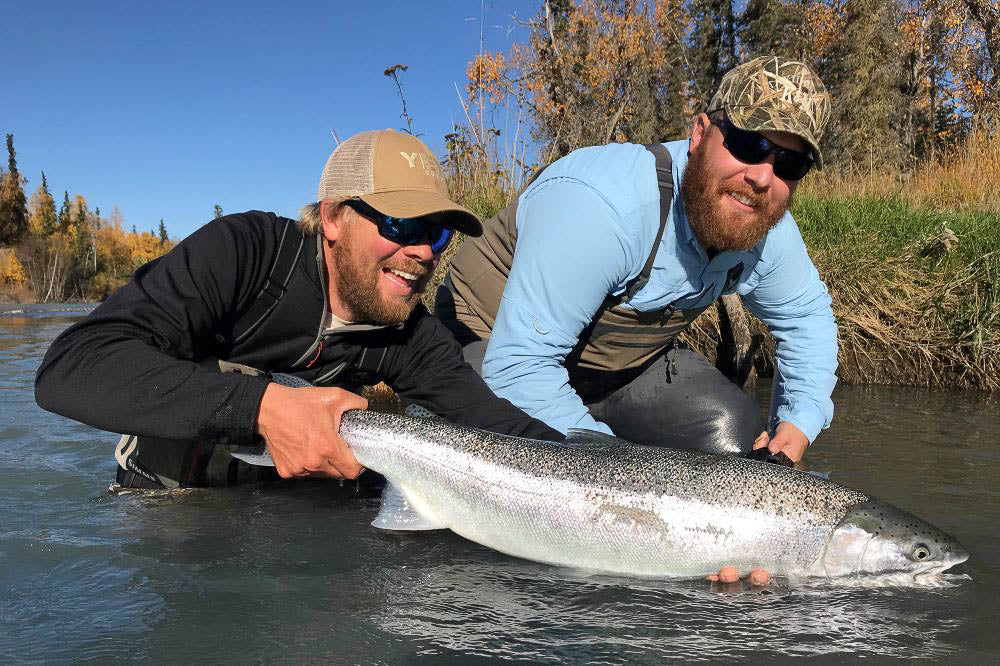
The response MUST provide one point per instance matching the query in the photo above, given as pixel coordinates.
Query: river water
(292, 572)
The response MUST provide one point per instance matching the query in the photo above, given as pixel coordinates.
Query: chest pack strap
(665, 183)
(286, 258)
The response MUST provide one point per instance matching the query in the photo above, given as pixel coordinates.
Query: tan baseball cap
(771, 93)
(396, 174)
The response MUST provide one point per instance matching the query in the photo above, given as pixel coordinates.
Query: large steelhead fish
(620, 508)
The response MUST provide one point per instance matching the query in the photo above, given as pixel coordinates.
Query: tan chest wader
(617, 345)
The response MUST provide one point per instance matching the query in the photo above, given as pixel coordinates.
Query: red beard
(714, 229)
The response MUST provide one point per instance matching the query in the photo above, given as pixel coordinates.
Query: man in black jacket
(333, 298)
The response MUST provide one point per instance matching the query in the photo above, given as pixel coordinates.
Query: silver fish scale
(617, 508)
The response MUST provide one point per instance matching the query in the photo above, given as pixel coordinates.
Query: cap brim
(417, 203)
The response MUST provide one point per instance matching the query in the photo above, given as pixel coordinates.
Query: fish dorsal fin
(398, 514)
(592, 439)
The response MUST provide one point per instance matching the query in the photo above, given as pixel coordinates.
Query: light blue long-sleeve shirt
(586, 227)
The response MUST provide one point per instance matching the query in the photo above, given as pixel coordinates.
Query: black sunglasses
(404, 230)
(754, 148)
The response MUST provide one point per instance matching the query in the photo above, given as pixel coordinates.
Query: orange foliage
(120, 253)
(594, 71)
(11, 271)
(487, 74)
(824, 26)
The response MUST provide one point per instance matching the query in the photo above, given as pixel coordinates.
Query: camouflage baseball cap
(771, 93)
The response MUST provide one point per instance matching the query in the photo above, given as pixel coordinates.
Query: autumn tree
(985, 65)
(85, 252)
(42, 219)
(779, 27)
(13, 205)
(671, 22)
(65, 217)
(602, 71)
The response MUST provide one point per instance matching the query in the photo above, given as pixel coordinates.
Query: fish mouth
(931, 570)
(953, 554)
(953, 558)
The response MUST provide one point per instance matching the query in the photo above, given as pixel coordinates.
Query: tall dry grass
(963, 178)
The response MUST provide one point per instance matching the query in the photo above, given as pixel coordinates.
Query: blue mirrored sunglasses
(404, 230)
(754, 148)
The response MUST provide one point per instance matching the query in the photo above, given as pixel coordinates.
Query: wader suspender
(665, 182)
(286, 258)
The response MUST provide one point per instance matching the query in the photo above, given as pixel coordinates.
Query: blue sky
(164, 109)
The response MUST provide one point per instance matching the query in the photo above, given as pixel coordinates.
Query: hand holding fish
(787, 438)
(301, 427)
(757, 576)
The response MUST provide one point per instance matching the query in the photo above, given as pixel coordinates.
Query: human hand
(302, 429)
(757, 576)
(787, 439)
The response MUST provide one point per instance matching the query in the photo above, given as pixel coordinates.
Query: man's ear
(699, 129)
(333, 219)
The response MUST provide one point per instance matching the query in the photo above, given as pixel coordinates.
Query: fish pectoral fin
(592, 439)
(398, 514)
(253, 455)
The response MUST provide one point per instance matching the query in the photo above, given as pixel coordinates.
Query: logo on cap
(428, 164)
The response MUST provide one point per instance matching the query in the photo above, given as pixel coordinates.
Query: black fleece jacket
(143, 362)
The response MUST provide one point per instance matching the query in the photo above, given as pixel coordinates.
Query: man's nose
(761, 175)
(420, 251)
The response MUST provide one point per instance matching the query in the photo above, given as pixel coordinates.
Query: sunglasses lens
(412, 231)
(406, 230)
(440, 237)
(748, 147)
(790, 165)
(753, 148)
(398, 230)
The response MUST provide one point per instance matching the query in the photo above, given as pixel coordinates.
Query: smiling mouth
(410, 277)
(742, 199)
(404, 279)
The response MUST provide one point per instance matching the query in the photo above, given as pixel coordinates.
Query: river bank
(916, 292)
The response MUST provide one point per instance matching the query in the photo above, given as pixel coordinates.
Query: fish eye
(921, 552)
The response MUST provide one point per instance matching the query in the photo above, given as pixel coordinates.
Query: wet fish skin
(638, 510)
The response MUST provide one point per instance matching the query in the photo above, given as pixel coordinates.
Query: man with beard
(332, 299)
(573, 298)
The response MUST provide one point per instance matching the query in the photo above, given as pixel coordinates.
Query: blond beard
(704, 214)
(357, 285)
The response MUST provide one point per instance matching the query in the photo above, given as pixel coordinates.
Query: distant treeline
(69, 252)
